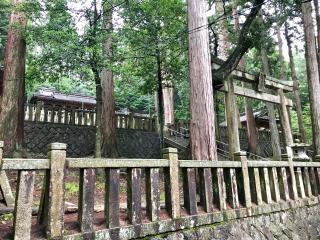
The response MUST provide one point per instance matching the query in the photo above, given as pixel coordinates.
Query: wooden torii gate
(264, 88)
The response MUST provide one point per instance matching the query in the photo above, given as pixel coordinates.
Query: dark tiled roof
(47, 95)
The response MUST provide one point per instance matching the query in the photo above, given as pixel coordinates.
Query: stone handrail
(229, 190)
(66, 115)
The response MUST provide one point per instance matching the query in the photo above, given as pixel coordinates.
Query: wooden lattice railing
(227, 190)
(75, 116)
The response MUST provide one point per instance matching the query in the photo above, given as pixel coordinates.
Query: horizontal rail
(306, 164)
(25, 164)
(42, 164)
(116, 163)
(208, 164)
(268, 164)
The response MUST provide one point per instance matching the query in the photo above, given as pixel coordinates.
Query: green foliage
(7, 217)
(155, 31)
(72, 188)
(4, 22)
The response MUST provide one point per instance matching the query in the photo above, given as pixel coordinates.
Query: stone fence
(74, 116)
(227, 190)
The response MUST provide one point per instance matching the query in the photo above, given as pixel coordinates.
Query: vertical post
(293, 182)
(86, 199)
(53, 112)
(4, 182)
(275, 185)
(45, 114)
(39, 107)
(23, 206)
(66, 115)
(258, 185)
(153, 193)
(134, 195)
(130, 121)
(285, 120)
(73, 116)
(300, 186)
(206, 190)
(242, 157)
(172, 196)
(57, 156)
(157, 110)
(232, 121)
(59, 114)
(112, 199)
(30, 112)
(306, 179)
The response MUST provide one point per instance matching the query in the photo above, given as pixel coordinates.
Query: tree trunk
(224, 45)
(160, 98)
(275, 140)
(108, 118)
(316, 6)
(296, 95)
(98, 137)
(13, 84)
(202, 130)
(312, 73)
(168, 103)
(281, 58)
(251, 122)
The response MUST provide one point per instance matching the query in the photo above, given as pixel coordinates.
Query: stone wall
(297, 224)
(81, 140)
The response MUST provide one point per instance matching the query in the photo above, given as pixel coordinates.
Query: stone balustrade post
(172, 196)
(293, 184)
(4, 182)
(242, 157)
(57, 156)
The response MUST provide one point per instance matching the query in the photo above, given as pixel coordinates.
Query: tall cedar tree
(13, 84)
(251, 122)
(202, 131)
(108, 123)
(296, 96)
(312, 72)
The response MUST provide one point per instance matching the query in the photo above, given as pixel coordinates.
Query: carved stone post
(4, 182)
(172, 182)
(242, 156)
(39, 107)
(57, 156)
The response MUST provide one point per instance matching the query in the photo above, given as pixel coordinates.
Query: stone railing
(74, 116)
(229, 190)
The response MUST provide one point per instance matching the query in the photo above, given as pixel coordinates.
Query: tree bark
(13, 84)
(275, 140)
(251, 123)
(312, 73)
(316, 6)
(108, 118)
(224, 44)
(281, 57)
(296, 95)
(245, 42)
(168, 102)
(98, 137)
(202, 130)
(160, 98)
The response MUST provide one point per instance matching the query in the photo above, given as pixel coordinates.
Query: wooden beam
(258, 95)
(270, 82)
